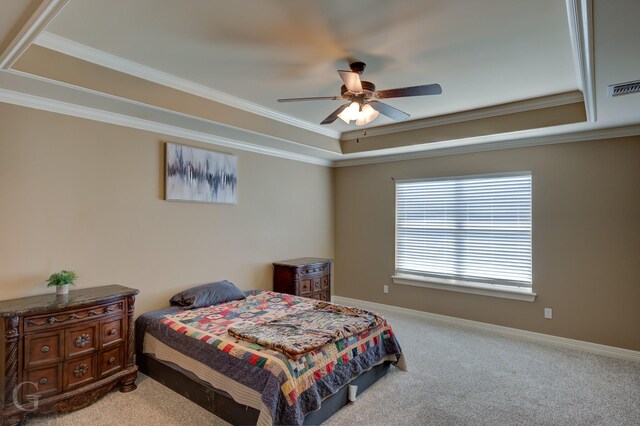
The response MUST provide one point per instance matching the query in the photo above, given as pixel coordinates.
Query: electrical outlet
(386, 289)
(548, 313)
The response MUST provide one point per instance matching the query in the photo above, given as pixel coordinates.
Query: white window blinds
(475, 228)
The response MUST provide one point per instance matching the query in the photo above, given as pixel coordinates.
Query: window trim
(495, 289)
(471, 287)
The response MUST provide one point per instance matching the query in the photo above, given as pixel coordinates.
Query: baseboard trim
(595, 348)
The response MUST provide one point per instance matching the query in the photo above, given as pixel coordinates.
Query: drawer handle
(113, 332)
(43, 381)
(82, 340)
(112, 360)
(45, 349)
(81, 370)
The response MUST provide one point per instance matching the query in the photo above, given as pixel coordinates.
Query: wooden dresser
(306, 276)
(61, 353)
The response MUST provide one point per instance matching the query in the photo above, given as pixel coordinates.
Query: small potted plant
(61, 280)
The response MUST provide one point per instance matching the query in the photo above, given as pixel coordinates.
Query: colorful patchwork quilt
(291, 386)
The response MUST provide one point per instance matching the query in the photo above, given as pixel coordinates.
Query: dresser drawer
(110, 361)
(316, 284)
(81, 340)
(45, 322)
(314, 270)
(43, 381)
(79, 372)
(305, 287)
(322, 295)
(43, 349)
(112, 332)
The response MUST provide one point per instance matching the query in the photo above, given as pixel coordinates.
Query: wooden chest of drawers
(61, 353)
(306, 276)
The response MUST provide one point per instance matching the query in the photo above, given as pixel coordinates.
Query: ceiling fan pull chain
(363, 135)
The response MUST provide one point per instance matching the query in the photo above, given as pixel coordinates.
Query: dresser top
(50, 301)
(302, 261)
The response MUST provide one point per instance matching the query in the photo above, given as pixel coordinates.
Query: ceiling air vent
(624, 88)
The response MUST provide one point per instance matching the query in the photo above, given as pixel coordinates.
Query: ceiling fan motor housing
(367, 87)
(357, 67)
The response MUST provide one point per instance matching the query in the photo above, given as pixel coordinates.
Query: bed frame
(222, 405)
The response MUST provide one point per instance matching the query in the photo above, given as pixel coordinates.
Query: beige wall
(586, 239)
(88, 196)
(82, 195)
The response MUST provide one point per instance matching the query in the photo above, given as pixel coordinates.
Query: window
(466, 230)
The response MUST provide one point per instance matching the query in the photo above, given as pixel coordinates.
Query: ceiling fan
(363, 106)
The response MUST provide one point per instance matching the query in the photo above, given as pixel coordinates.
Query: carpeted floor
(457, 377)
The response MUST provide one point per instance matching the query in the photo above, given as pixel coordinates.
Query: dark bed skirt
(222, 405)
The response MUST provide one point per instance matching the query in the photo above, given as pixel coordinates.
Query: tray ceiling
(482, 52)
(509, 70)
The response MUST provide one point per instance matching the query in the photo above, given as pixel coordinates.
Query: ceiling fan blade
(427, 89)
(388, 110)
(334, 115)
(351, 80)
(316, 98)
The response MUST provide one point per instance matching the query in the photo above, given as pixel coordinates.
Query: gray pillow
(207, 294)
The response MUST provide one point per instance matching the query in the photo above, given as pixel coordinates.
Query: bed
(245, 382)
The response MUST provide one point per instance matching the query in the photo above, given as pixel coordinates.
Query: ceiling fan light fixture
(350, 113)
(367, 115)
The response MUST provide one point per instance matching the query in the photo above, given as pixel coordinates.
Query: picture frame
(200, 175)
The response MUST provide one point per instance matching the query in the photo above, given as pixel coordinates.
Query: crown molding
(152, 108)
(439, 149)
(99, 57)
(475, 114)
(47, 10)
(580, 15)
(47, 104)
(434, 149)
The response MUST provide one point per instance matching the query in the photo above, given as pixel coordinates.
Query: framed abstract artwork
(200, 175)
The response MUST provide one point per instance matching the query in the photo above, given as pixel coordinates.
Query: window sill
(482, 289)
